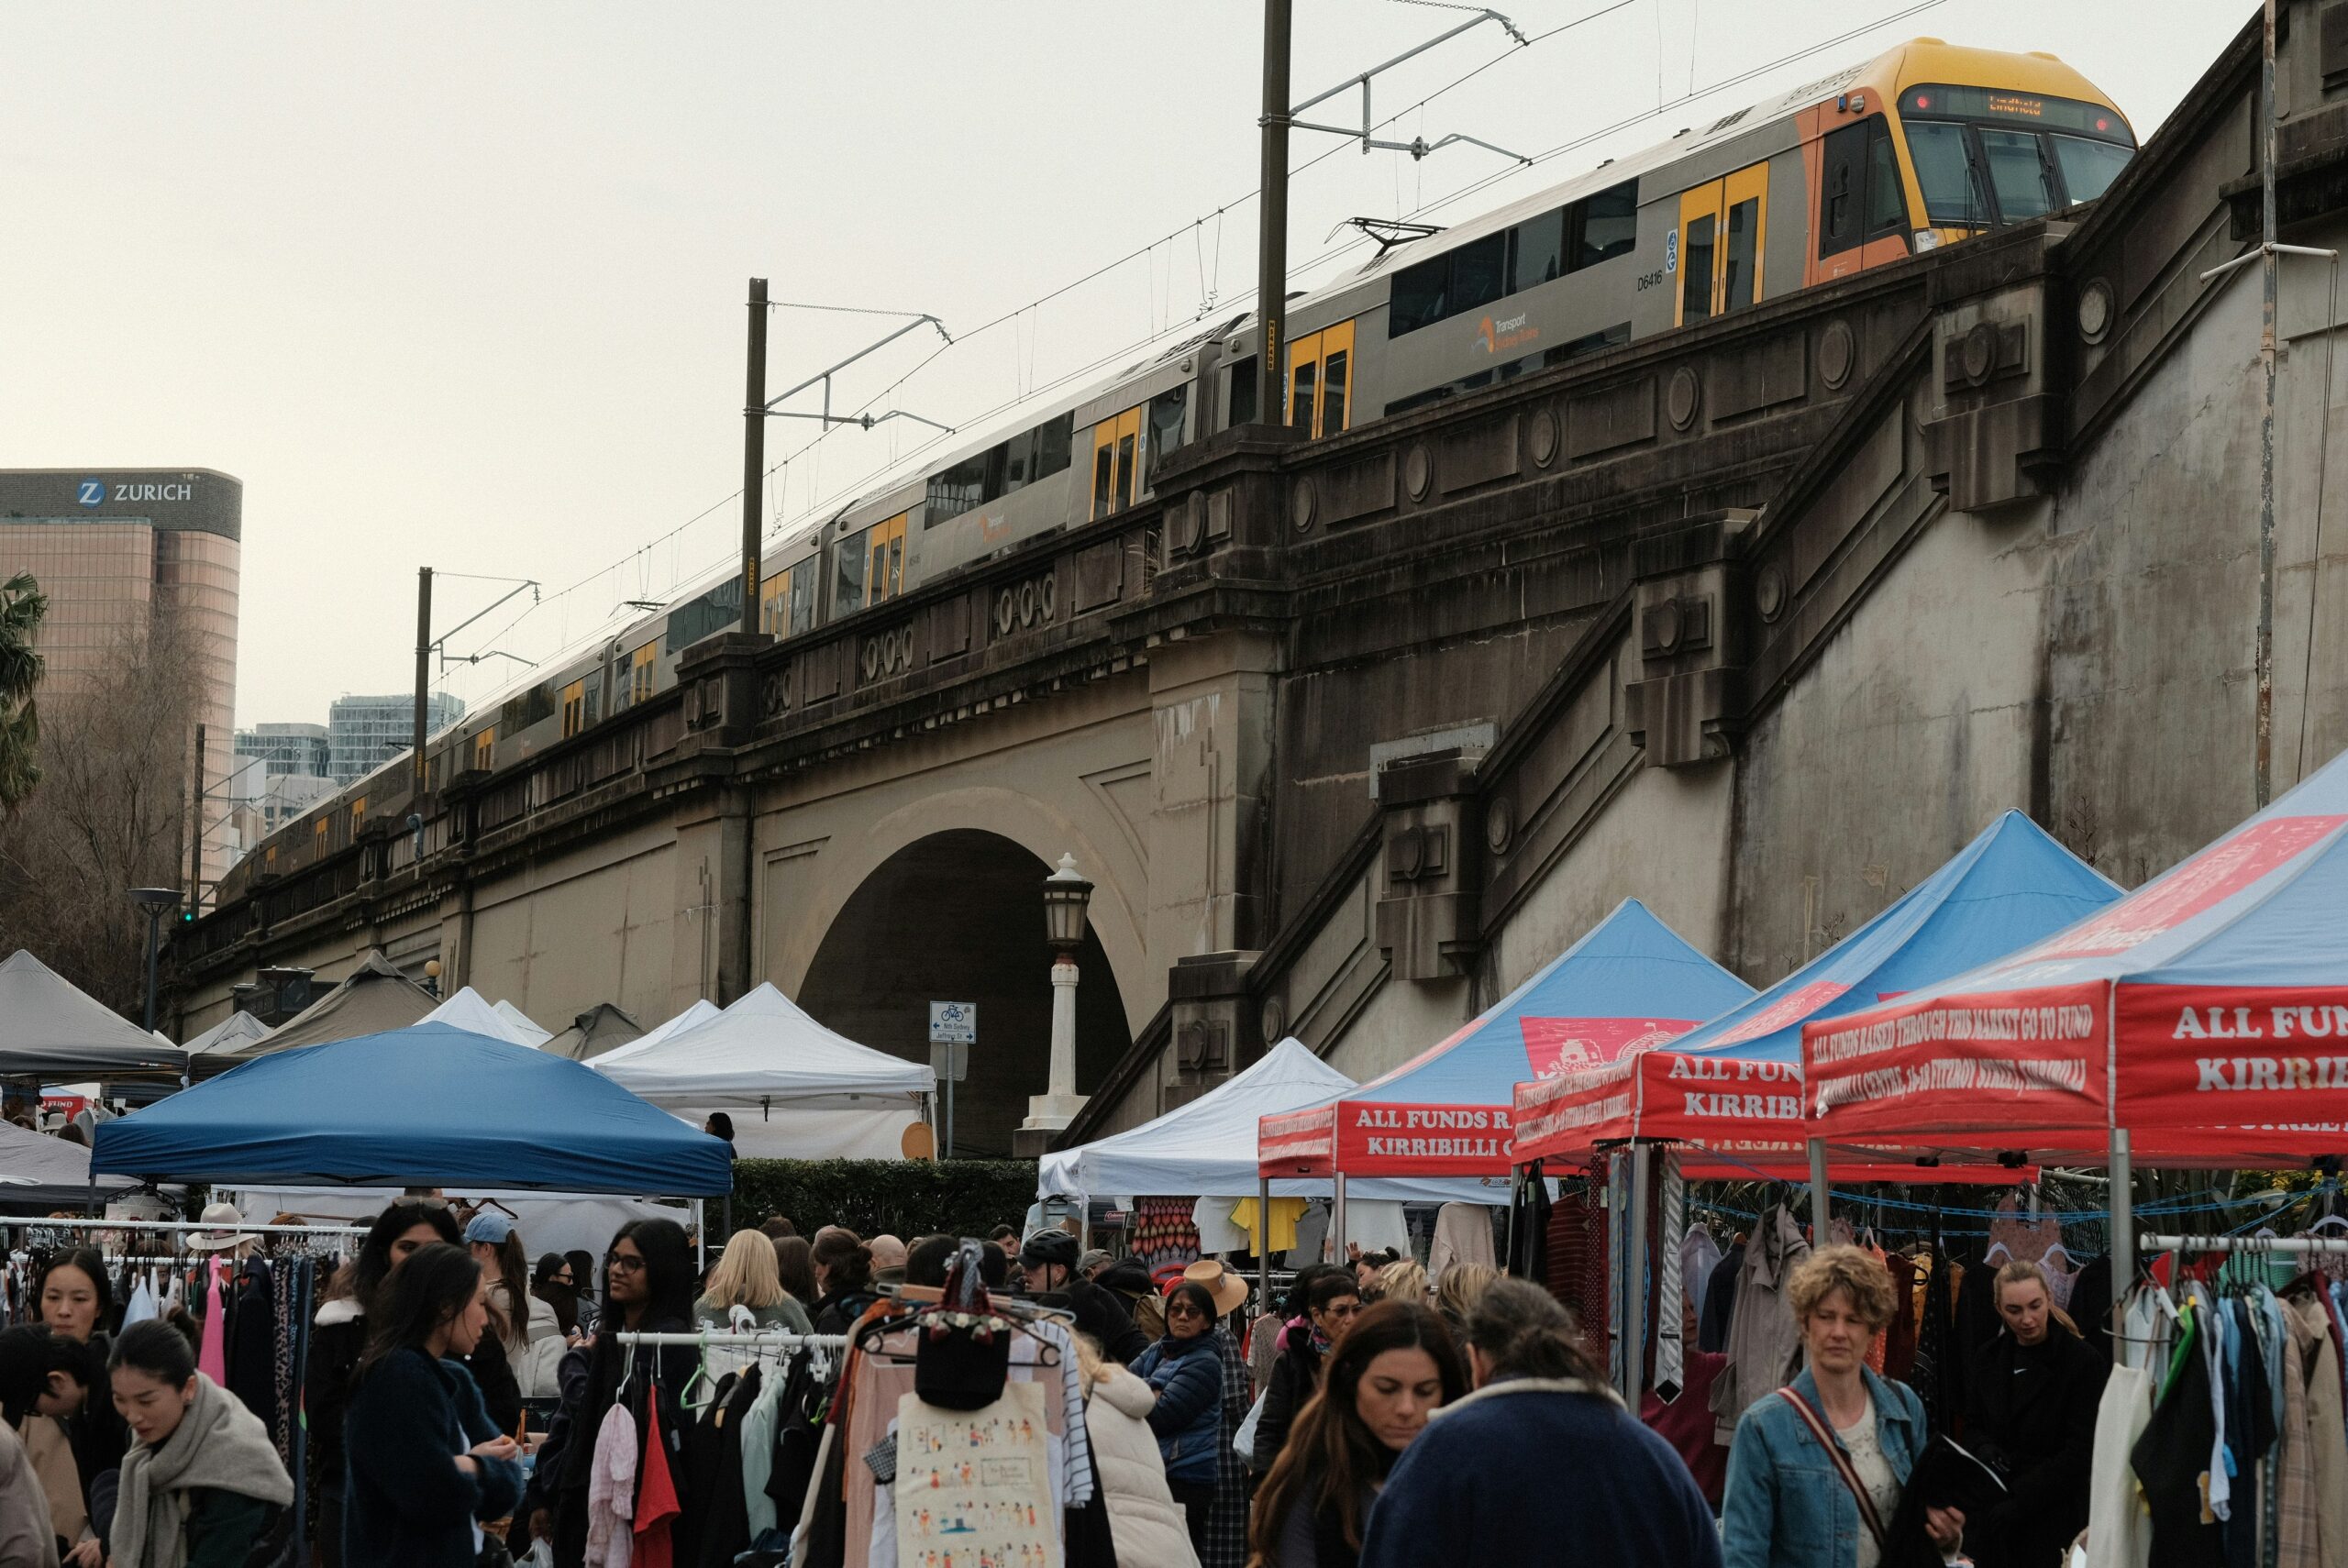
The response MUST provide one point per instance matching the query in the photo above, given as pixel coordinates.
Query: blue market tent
(425, 1106)
(1628, 986)
(2010, 886)
(2203, 1013)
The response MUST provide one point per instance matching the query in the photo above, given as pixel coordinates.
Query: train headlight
(1927, 239)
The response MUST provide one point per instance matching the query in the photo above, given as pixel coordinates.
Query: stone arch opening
(959, 916)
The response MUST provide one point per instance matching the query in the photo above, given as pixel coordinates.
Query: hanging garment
(1219, 1229)
(715, 1455)
(1312, 1237)
(212, 1355)
(2304, 1315)
(2171, 1459)
(1720, 1300)
(1285, 1213)
(1899, 1338)
(1764, 1341)
(2119, 1531)
(1578, 1273)
(611, 1490)
(1699, 1255)
(141, 1306)
(1529, 1231)
(657, 1503)
(759, 1444)
(2298, 1528)
(1463, 1234)
(1377, 1225)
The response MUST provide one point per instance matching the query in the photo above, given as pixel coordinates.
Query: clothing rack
(171, 1225)
(779, 1339)
(2288, 1246)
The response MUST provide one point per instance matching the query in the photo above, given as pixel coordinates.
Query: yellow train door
(1722, 228)
(1320, 380)
(1116, 466)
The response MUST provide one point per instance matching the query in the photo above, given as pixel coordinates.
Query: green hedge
(903, 1197)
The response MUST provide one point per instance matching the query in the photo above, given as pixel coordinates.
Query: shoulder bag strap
(1842, 1460)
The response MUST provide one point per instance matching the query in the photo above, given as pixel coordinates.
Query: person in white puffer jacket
(1145, 1521)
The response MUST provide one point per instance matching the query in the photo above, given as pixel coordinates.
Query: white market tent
(471, 1011)
(794, 1089)
(1208, 1147)
(523, 1024)
(693, 1017)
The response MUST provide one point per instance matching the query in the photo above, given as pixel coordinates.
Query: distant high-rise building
(364, 732)
(112, 546)
(289, 748)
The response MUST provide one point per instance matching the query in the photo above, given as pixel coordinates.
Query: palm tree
(22, 605)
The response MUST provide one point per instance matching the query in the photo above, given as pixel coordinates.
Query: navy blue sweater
(1528, 1474)
(407, 1505)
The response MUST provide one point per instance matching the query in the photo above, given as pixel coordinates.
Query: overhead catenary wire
(822, 501)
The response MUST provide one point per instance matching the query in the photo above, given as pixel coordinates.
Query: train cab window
(1242, 400)
(1320, 380)
(1165, 426)
(1696, 267)
(2017, 174)
(574, 708)
(2088, 167)
(1861, 198)
(1945, 172)
(641, 667)
(1886, 203)
(486, 747)
(1116, 443)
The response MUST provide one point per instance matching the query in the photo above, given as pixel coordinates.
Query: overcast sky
(462, 287)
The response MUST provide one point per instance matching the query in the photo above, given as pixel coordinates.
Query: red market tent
(2198, 1020)
(1731, 1091)
(1629, 984)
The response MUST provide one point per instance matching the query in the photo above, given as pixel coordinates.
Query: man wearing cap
(1049, 1258)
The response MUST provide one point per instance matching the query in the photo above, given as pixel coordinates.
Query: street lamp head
(1067, 895)
(155, 898)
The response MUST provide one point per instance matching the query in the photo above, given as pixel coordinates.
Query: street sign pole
(953, 1029)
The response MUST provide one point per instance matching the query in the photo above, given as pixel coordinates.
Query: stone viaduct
(1757, 621)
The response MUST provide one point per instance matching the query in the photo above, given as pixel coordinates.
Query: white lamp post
(1066, 895)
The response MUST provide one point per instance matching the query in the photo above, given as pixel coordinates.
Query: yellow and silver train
(1925, 145)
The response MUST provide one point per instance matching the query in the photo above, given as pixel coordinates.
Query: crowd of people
(1373, 1418)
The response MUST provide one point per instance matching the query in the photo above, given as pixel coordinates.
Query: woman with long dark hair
(202, 1482)
(650, 1280)
(338, 1338)
(77, 1304)
(426, 1463)
(553, 1283)
(1184, 1372)
(794, 1265)
(843, 1279)
(1386, 1375)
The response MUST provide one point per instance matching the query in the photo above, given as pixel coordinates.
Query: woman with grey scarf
(202, 1484)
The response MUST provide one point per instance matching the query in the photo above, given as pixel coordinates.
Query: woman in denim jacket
(1786, 1504)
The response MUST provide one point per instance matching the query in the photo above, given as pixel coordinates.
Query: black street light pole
(156, 902)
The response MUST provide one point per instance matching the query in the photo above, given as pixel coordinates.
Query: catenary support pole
(195, 844)
(754, 451)
(423, 675)
(2269, 262)
(1818, 1201)
(2123, 1225)
(1271, 243)
(1338, 1225)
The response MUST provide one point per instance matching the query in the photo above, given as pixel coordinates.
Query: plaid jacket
(1227, 1520)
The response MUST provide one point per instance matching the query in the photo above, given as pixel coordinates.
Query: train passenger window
(1744, 229)
(1421, 297)
(954, 490)
(1696, 268)
(1539, 247)
(1053, 439)
(1478, 273)
(2018, 174)
(1605, 226)
(1165, 426)
(848, 586)
(803, 602)
(1303, 382)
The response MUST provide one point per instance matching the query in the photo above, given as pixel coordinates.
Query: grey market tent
(601, 1028)
(41, 1173)
(374, 999)
(49, 1028)
(232, 1033)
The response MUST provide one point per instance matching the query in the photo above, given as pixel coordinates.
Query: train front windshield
(1985, 158)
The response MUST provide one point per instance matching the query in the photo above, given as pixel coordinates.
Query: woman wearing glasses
(1331, 1306)
(649, 1282)
(1184, 1370)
